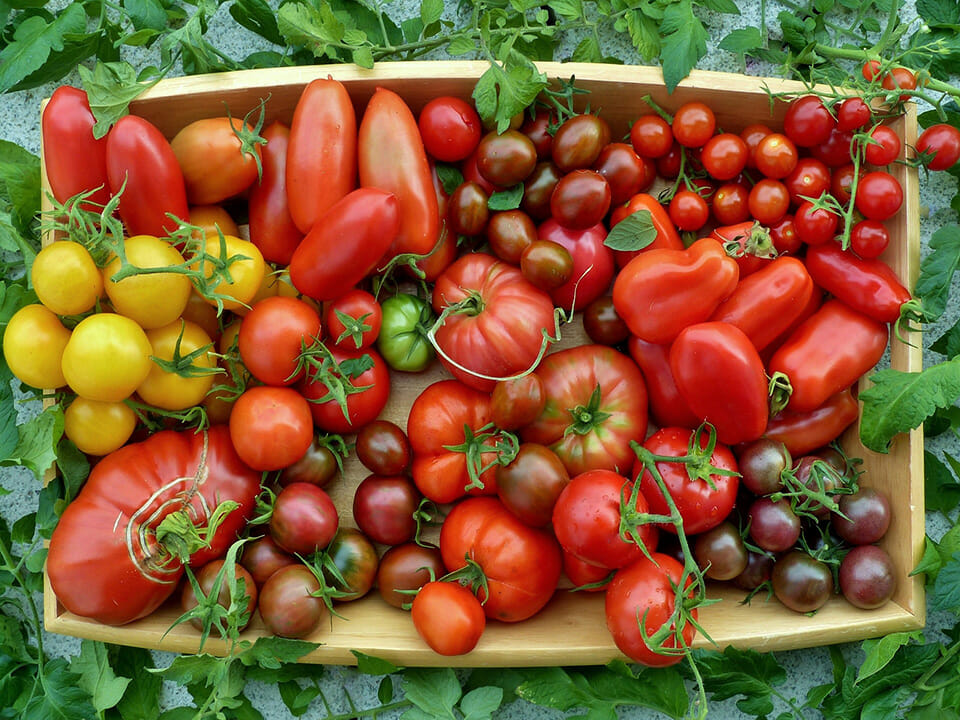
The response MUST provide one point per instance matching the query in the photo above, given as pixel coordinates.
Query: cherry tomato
(900, 78)
(784, 236)
(272, 336)
(775, 156)
(841, 180)
(853, 113)
(720, 552)
(289, 603)
(448, 617)
(774, 526)
(867, 577)
(835, 150)
(579, 141)
(467, 211)
(271, 427)
(98, 428)
(580, 199)
(244, 264)
(33, 347)
(869, 238)
(407, 567)
(729, 205)
(318, 466)
(383, 448)
(693, 124)
(801, 582)
(168, 389)
(450, 128)
(752, 135)
(537, 189)
(602, 323)
(517, 402)
(355, 559)
(206, 577)
(862, 518)
(506, 159)
(537, 128)
(546, 264)
(383, 508)
(688, 210)
(65, 278)
(262, 558)
(724, 156)
(761, 463)
(809, 179)
(651, 136)
(106, 357)
(304, 519)
(362, 407)
(625, 171)
(941, 143)
(808, 122)
(885, 146)
(815, 226)
(509, 233)
(768, 201)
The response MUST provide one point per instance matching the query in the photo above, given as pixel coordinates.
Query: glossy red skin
(808, 122)
(436, 420)
(667, 235)
(383, 508)
(272, 335)
(392, 158)
(89, 565)
(660, 292)
(271, 427)
(516, 403)
(448, 617)
(721, 376)
(362, 407)
(581, 573)
(943, 141)
(504, 338)
(522, 564)
(587, 516)
(879, 195)
(450, 128)
(75, 161)
(349, 243)
(667, 406)
(702, 507)
(804, 432)
(322, 156)
(813, 304)
(810, 178)
(288, 605)
(625, 171)
(593, 264)
(357, 304)
(304, 519)
(569, 378)
(867, 285)
(827, 353)
(645, 590)
(272, 228)
(139, 154)
(767, 302)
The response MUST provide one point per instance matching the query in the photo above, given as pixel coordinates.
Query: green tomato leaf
(742, 672)
(110, 88)
(37, 443)
(900, 401)
(937, 270)
(941, 489)
(270, 652)
(635, 232)
(949, 343)
(141, 700)
(62, 697)
(303, 25)
(480, 703)
(880, 651)
(508, 199)
(505, 90)
(728, 7)
(569, 9)
(939, 13)
(684, 42)
(9, 436)
(258, 17)
(371, 665)
(96, 676)
(146, 14)
(946, 588)
(930, 563)
(742, 41)
(450, 177)
(435, 691)
(363, 57)
(553, 688)
(430, 11)
(33, 41)
(462, 45)
(644, 34)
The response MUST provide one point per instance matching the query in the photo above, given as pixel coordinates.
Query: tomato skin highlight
(75, 161)
(346, 245)
(271, 427)
(272, 228)
(321, 163)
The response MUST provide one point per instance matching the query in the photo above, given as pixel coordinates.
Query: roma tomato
(827, 353)
(304, 519)
(522, 564)
(666, 236)
(667, 406)
(804, 432)
(75, 161)
(142, 163)
(646, 590)
(497, 330)
(271, 427)
(340, 251)
(587, 519)
(704, 497)
(593, 264)
(322, 153)
(219, 158)
(530, 484)
(366, 371)
(596, 403)
(721, 376)
(660, 292)
(272, 228)
(449, 617)
(104, 559)
(272, 336)
(393, 159)
(33, 345)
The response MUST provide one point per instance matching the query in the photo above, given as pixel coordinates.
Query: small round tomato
(262, 558)
(593, 263)
(869, 238)
(318, 466)
(809, 179)
(729, 205)
(537, 189)
(33, 346)
(835, 150)
(272, 336)
(383, 448)
(720, 552)
(579, 141)
(450, 128)
(151, 299)
(206, 577)
(304, 519)
(65, 278)
(784, 236)
(219, 158)
(530, 485)
(625, 171)
(693, 124)
(867, 577)
(651, 136)
(98, 428)
(768, 201)
(402, 341)
(467, 209)
(640, 600)
(366, 371)
(384, 507)
(603, 324)
(801, 582)
(289, 603)
(106, 358)
(815, 226)
(853, 113)
(517, 402)
(547, 264)
(448, 617)
(233, 269)
(212, 220)
(724, 156)
(879, 195)
(668, 166)
(940, 144)
(506, 159)
(808, 122)
(166, 387)
(776, 156)
(271, 427)
(407, 567)
(580, 199)
(884, 147)
(355, 559)
(900, 78)
(510, 232)
(537, 128)
(688, 210)
(353, 319)
(841, 180)
(752, 135)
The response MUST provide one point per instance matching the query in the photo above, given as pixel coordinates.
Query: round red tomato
(271, 427)
(449, 617)
(580, 199)
(450, 128)
(531, 483)
(693, 124)
(941, 144)
(879, 195)
(353, 320)
(651, 136)
(304, 519)
(808, 122)
(272, 335)
(362, 376)
(724, 156)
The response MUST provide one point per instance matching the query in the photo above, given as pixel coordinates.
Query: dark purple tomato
(384, 507)
(863, 517)
(206, 577)
(509, 233)
(867, 577)
(756, 573)
(355, 559)
(537, 128)
(602, 323)
(819, 478)
(761, 462)
(579, 141)
(383, 448)
(801, 582)
(773, 524)
(317, 467)
(546, 264)
(407, 567)
(625, 171)
(288, 604)
(530, 485)
(538, 188)
(304, 519)
(581, 199)
(507, 158)
(517, 402)
(720, 552)
(262, 558)
(467, 211)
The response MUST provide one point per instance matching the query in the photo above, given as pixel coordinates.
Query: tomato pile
(690, 435)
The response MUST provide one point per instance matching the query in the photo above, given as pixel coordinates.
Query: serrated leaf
(880, 651)
(434, 691)
(937, 270)
(742, 41)
(508, 199)
(33, 41)
(193, 669)
(941, 489)
(930, 563)
(304, 25)
(939, 13)
(96, 676)
(146, 14)
(505, 90)
(794, 31)
(62, 698)
(587, 50)
(480, 703)
(683, 42)
(644, 34)
(949, 343)
(635, 232)
(727, 7)
(462, 45)
(553, 688)
(37, 442)
(430, 11)
(748, 673)
(270, 651)
(9, 436)
(363, 57)
(569, 9)
(110, 88)
(900, 401)
(141, 701)
(946, 588)
(371, 665)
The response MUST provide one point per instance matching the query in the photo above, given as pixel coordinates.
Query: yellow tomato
(209, 217)
(33, 346)
(107, 357)
(269, 286)
(98, 428)
(151, 299)
(166, 388)
(234, 269)
(65, 278)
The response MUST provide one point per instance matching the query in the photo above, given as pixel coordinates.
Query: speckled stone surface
(20, 123)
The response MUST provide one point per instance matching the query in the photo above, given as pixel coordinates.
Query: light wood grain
(571, 630)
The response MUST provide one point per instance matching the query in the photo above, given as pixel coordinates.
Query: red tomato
(667, 236)
(448, 617)
(580, 199)
(596, 404)
(340, 251)
(271, 225)
(879, 195)
(769, 201)
(809, 179)
(102, 561)
(724, 156)
(808, 122)
(579, 141)
(384, 507)
(439, 420)
(804, 432)
(582, 574)
(660, 292)
(752, 135)
(900, 78)
(500, 331)
(827, 353)
(262, 558)
(815, 226)
(721, 376)
(884, 147)
(639, 601)
(693, 124)
(940, 143)
(450, 128)
(689, 211)
(587, 520)
(518, 402)
(651, 136)
(869, 238)
(626, 172)
(289, 603)
(775, 156)
(354, 319)
(853, 113)
(593, 264)
(322, 155)
(271, 427)
(304, 519)
(272, 335)
(530, 484)
(75, 161)
(393, 159)
(522, 564)
(368, 374)
(667, 406)
(836, 150)
(140, 160)
(215, 162)
(729, 205)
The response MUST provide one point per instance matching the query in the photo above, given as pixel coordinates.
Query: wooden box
(571, 630)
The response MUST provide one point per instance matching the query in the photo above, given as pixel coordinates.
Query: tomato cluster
(731, 288)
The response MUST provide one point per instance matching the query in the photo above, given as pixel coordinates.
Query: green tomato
(403, 335)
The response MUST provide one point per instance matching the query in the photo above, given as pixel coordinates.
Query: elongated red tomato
(142, 163)
(346, 245)
(272, 228)
(667, 406)
(721, 376)
(804, 432)
(74, 159)
(106, 560)
(322, 155)
(667, 236)
(392, 158)
(827, 353)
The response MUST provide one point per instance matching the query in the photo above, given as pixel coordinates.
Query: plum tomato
(866, 577)
(383, 448)
(531, 483)
(801, 582)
